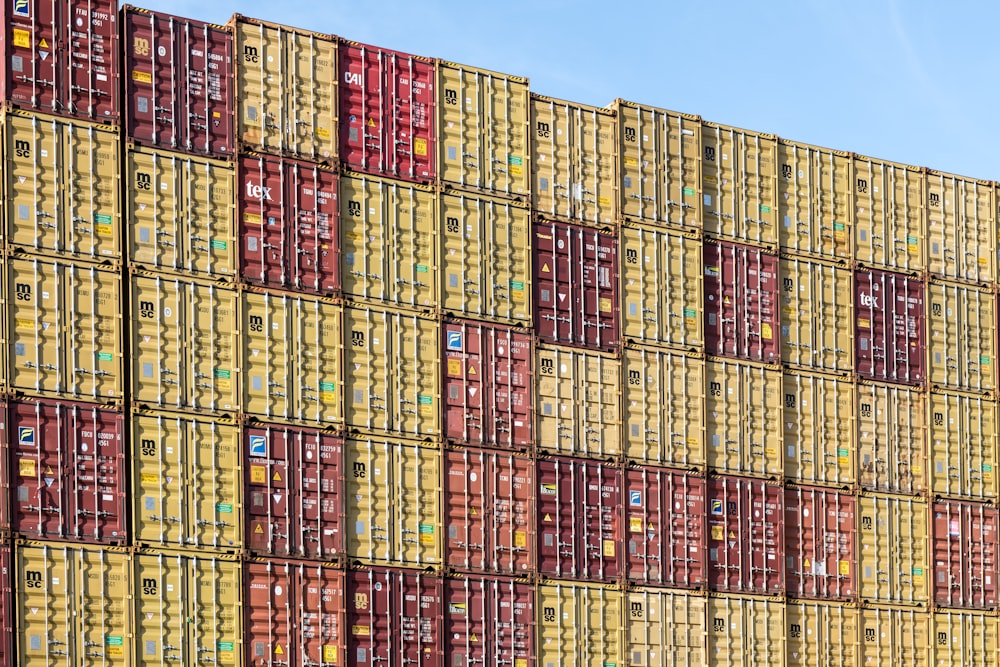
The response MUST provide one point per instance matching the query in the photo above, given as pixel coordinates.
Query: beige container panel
(963, 446)
(664, 627)
(390, 241)
(660, 165)
(745, 632)
(822, 634)
(893, 549)
(573, 155)
(180, 213)
(892, 438)
(743, 416)
(961, 228)
(819, 429)
(661, 287)
(367, 368)
(486, 258)
(578, 402)
(817, 310)
(815, 201)
(63, 189)
(965, 638)
(890, 217)
(579, 624)
(962, 333)
(73, 605)
(483, 120)
(895, 637)
(664, 408)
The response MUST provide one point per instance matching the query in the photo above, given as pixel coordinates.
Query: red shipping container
(746, 535)
(489, 511)
(289, 223)
(6, 609)
(387, 112)
(964, 552)
(742, 311)
(61, 57)
(488, 388)
(489, 621)
(394, 617)
(579, 518)
(576, 286)
(820, 538)
(889, 326)
(665, 524)
(178, 83)
(69, 460)
(294, 614)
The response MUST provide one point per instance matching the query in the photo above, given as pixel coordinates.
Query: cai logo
(717, 507)
(258, 447)
(635, 498)
(22, 8)
(25, 435)
(455, 340)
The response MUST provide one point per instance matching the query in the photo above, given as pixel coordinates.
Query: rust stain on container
(890, 217)
(964, 554)
(893, 533)
(894, 636)
(892, 438)
(889, 332)
(820, 532)
(489, 621)
(961, 228)
(962, 336)
(820, 429)
(817, 304)
(579, 624)
(745, 535)
(963, 445)
(746, 631)
(822, 634)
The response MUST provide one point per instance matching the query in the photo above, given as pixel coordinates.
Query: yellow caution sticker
(608, 548)
(545, 268)
(631, 162)
(26, 467)
(718, 533)
(473, 512)
(278, 650)
(322, 133)
(26, 324)
(517, 171)
(251, 218)
(258, 474)
(148, 478)
(864, 323)
(844, 568)
(420, 147)
(520, 538)
(472, 370)
(42, 44)
(258, 530)
(276, 477)
(473, 638)
(454, 367)
(22, 38)
(765, 331)
(635, 524)
(115, 651)
(604, 305)
(142, 77)
(360, 630)
(329, 653)
(604, 201)
(547, 518)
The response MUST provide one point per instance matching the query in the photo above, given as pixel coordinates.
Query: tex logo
(454, 341)
(22, 8)
(635, 498)
(25, 435)
(717, 508)
(258, 446)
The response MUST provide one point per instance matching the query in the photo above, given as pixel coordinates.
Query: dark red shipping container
(964, 553)
(665, 527)
(576, 286)
(579, 519)
(295, 491)
(488, 388)
(69, 462)
(889, 326)
(294, 614)
(61, 57)
(746, 535)
(820, 538)
(6, 608)
(289, 224)
(489, 621)
(742, 311)
(387, 112)
(178, 83)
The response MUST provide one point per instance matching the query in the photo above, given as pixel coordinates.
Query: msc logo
(717, 507)
(795, 630)
(147, 309)
(634, 378)
(869, 634)
(547, 367)
(630, 134)
(23, 291)
(786, 170)
(543, 129)
(147, 447)
(635, 609)
(360, 470)
(631, 256)
(549, 614)
(710, 153)
(358, 338)
(22, 148)
(939, 419)
(149, 586)
(258, 446)
(455, 340)
(450, 96)
(715, 388)
(788, 284)
(140, 45)
(22, 8)
(862, 185)
(942, 638)
(25, 435)
(256, 323)
(451, 224)
(361, 601)
(789, 401)
(143, 181)
(354, 208)
(866, 409)
(32, 579)
(935, 199)
(718, 624)
(250, 54)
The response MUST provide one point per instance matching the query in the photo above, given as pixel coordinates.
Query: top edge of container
(483, 70)
(225, 419)
(805, 144)
(569, 103)
(619, 101)
(240, 18)
(132, 9)
(375, 47)
(725, 126)
(903, 165)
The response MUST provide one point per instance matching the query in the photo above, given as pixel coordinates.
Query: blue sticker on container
(455, 340)
(635, 498)
(22, 8)
(717, 507)
(25, 435)
(258, 446)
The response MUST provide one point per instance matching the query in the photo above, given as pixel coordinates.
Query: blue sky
(908, 80)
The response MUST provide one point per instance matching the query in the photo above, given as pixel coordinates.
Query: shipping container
(579, 506)
(745, 631)
(822, 634)
(294, 496)
(893, 532)
(579, 624)
(185, 344)
(489, 621)
(7, 618)
(666, 536)
(963, 446)
(893, 636)
(892, 438)
(178, 83)
(295, 614)
(889, 327)
(187, 482)
(188, 609)
(576, 286)
(392, 365)
(817, 304)
(742, 312)
(820, 544)
(661, 285)
(664, 397)
(889, 215)
(746, 538)
(62, 57)
(962, 336)
(965, 556)
(483, 130)
(578, 405)
(961, 228)
(486, 258)
(393, 493)
(289, 224)
(61, 185)
(964, 638)
(743, 418)
(820, 429)
(665, 627)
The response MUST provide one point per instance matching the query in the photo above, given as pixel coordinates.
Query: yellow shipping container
(743, 416)
(961, 336)
(180, 213)
(664, 396)
(188, 609)
(392, 368)
(390, 241)
(822, 634)
(745, 631)
(578, 403)
(665, 627)
(661, 287)
(286, 89)
(73, 605)
(900, 637)
(62, 191)
(889, 215)
(579, 624)
(187, 484)
(486, 258)
(483, 129)
(965, 638)
(893, 532)
(64, 329)
(393, 495)
(961, 228)
(817, 315)
(892, 438)
(185, 344)
(963, 446)
(660, 165)
(820, 427)
(573, 161)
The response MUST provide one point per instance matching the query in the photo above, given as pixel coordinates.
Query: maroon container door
(820, 536)
(294, 499)
(6, 608)
(964, 551)
(178, 83)
(289, 224)
(489, 621)
(742, 314)
(576, 286)
(746, 536)
(387, 112)
(889, 326)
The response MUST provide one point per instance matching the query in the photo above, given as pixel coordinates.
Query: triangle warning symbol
(258, 530)
(546, 269)
(472, 370)
(276, 477)
(472, 638)
(547, 518)
(43, 44)
(473, 512)
(371, 122)
(278, 650)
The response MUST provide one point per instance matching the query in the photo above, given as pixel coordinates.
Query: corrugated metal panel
(965, 554)
(820, 543)
(961, 228)
(579, 624)
(889, 327)
(893, 557)
(820, 429)
(890, 217)
(665, 627)
(892, 438)
(965, 638)
(822, 634)
(746, 631)
(892, 636)
(7, 618)
(489, 621)
(963, 445)
(746, 538)
(817, 301)
(962, 336)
